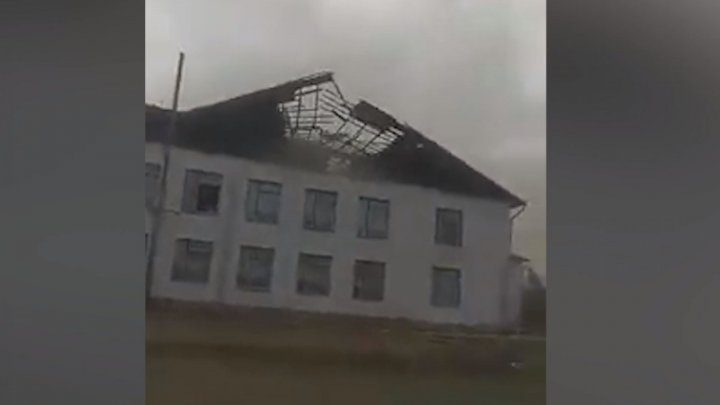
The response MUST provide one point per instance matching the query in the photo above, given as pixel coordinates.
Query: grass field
(201, 361)
(182, 380)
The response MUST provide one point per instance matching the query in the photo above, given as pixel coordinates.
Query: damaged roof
(307, 123)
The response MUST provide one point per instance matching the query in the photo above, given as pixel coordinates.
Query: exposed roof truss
(316, 110)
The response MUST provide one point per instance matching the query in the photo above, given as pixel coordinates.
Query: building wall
(515, 289)
(409, 253)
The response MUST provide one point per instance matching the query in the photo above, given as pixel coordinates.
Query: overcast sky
(469, 74)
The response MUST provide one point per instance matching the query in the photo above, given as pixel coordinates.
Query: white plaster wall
(409, 252)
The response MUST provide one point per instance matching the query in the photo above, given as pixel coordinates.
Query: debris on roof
(308, 123)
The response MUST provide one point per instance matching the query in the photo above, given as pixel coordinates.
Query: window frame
(186, 244)
(241, 266)
(433, 288)
(204, 178)
(458, 242)
(251, 207)
(313, 226)
(298, 274)
(363, 230)
(356, 289)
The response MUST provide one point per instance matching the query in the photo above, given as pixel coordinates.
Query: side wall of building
(409, 253)
(515, 290)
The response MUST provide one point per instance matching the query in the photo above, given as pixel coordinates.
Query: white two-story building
(275, 199)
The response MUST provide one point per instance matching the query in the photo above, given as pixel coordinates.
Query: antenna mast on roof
(158, 209)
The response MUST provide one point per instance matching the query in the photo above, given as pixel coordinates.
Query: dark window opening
(369, 283)
(208, 198)
(313, 275)
(201, 194)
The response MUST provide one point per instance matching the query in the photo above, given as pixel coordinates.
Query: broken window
(374, 216)
(369, 284)
(320, 210)
(152, 184)
(192, 261)
(202, 192)
(263, 202)
(448, 227)
(445, 288)
(313, 274)
(255, 270)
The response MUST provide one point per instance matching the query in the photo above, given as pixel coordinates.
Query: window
(313, 276)
(448, 227)
(374, 215)
(263, 202)
(192, 261)
(202, 192)
(320, 210)
(369, 282)
(255, 272)
(445, 288)
(152, 184)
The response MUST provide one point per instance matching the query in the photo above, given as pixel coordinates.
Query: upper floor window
(319, 212)
(448, 227)
(373, 218)
(201, 194)
(263, 202)
(192, 261)
(152, 184)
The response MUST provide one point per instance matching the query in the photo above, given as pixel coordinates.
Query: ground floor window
(192, 259)
(369, 284)
(445, 287)
(313, 274)
(255, 269)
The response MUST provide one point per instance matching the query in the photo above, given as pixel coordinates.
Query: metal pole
(158, 210)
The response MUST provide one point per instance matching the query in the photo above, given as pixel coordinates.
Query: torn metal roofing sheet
(308, 123)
